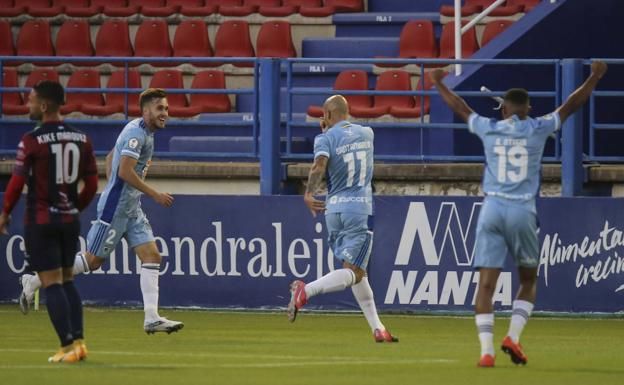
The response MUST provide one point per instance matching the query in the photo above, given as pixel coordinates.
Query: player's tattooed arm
(315, 177)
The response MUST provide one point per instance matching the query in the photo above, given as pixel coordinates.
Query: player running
(52, 159)
(345, 152)
(508, 220)
(120, 213)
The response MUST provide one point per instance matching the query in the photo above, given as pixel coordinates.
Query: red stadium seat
(74, 39)
(417, 41)
(470, 7)
(416, 110)
(129, 8)
(191, 40)
(171, 7)
(75, 100)
(248, 7)
(41, 74)
(447, 42)
(513, 7)
(113, 39)
(332, 6)
(349, 80)
(12, 102)
(170, 79)
(8, 8)
(56, 7)
(92, 8)
(152, 40)
(34, 39)
(199, 8)
(115, 102)
(287, 7)
(233, 41)
(275, 40)
(6, 40)
(493, 28)
(395, 80)
(205, 102)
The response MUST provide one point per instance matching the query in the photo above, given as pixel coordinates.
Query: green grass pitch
(329, 349)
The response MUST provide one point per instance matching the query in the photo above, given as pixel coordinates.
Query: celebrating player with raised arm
(52, 159)
(120, 213)
(345, 152)
(508, 220)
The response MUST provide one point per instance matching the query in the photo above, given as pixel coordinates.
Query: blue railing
(266, 118)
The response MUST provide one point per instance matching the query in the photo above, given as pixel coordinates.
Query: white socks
(80, 266)
(335, 281)
(149, 288)
(519, 317)
(485, 327)
(364, 296)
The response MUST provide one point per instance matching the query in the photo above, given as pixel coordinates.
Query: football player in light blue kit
(345, 152)
(508, 223)
(119, 209)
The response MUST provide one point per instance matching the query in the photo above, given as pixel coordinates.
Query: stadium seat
(40, 74)
(205, 102)
(169, 8)
(191, 40)
(332, 6)
(286, 8)
(6, 39)
(197, 8)
(82, 79)
(233, 40)
(170, 79)
(8, 8)
(493, 28)
(53, 8)
(447, 42)
(395, 80)
(115, 101)
(247, 8)
(275, 40)
(349, 80)
(113, 39)
(34, 39)
(125, 8)
(152, 40)
(12, 102)
(513, 7)
(416, 110)
(417, 41)
(470, 8)
(92, 8)
(74, 39)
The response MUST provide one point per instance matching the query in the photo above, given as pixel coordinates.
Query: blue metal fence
(266, 118)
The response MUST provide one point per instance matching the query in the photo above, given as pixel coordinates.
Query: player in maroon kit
(52, 159)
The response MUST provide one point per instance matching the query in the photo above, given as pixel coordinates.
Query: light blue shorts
(350, 237)
(506, 227)
(103, 237)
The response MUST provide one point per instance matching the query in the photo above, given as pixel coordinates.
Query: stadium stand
(420, 104)
(332, 6)
(200, 103)
(286, 8)
(492, 29)
(349, 80)
(35, 39)
(12, 102)
(7, 48)
(513, 7)
(92, 8)
(395, 80)
(447, 42)
(233, 40)
(152, 40)
(74, 39)
(275, 40)
(247, 7)
(82, 79)
(113, 39)
(191, 40)
(470, 7)
(171, 79)
(198, 8)
(115, 101)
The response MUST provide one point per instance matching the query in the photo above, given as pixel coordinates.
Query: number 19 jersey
(513, 152)
(349, 148)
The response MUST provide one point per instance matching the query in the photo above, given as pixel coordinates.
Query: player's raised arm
(454, 101)
(315, 177)
(126, 172)
(580, 96)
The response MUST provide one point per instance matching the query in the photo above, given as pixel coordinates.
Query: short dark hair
(150, 94)
(517, 96)
(50, 91)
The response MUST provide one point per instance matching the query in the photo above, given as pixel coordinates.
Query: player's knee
(358, 272)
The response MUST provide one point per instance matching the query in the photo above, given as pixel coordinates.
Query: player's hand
(313, 204)
(163, 199)
(324, 125)
(599, 68)
(437, 75)
(4, 222)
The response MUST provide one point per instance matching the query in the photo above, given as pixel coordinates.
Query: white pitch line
(228, 366)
